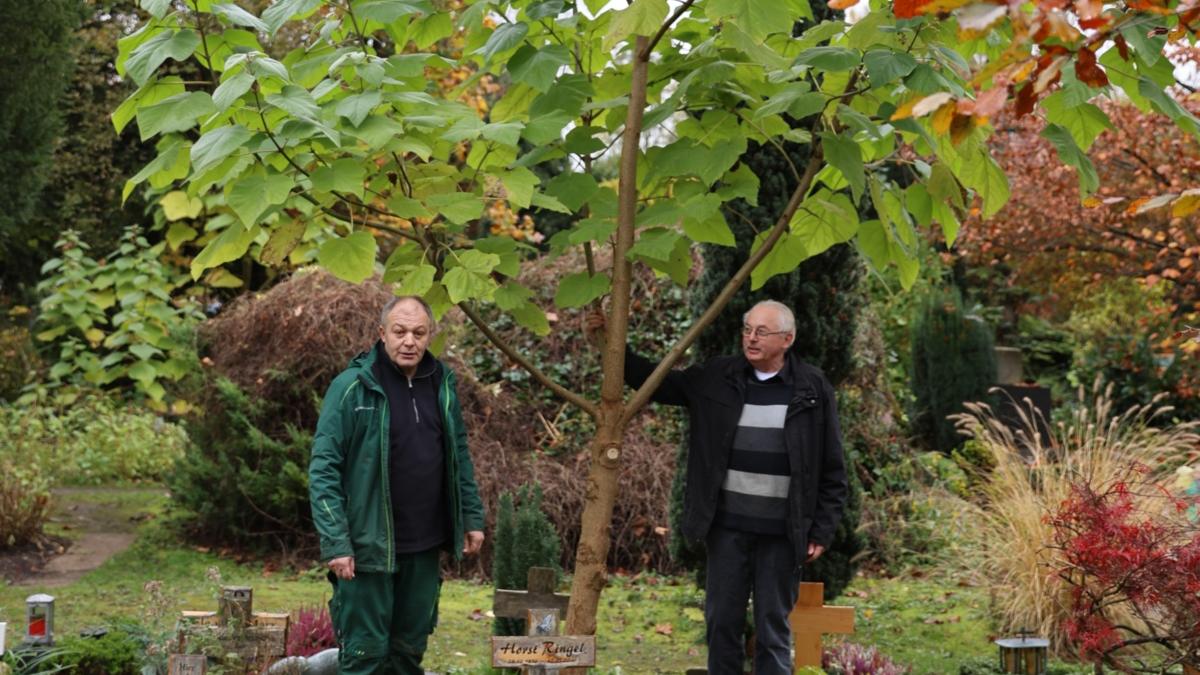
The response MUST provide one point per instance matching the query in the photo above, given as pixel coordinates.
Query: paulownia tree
(346, 143)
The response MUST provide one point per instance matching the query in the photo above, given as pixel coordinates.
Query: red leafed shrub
(311, 632)
(1131, 556)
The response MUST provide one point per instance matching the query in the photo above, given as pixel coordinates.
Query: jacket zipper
(412, 397)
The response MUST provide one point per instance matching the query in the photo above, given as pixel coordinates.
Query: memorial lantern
(1025, 655)
(39, 619)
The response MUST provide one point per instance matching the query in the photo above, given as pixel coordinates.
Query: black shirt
(416, 455)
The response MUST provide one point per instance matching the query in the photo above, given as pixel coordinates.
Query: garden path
(96, 528)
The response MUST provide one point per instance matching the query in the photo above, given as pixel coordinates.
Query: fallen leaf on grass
(938, 620)
(477, 615)
(664, 629)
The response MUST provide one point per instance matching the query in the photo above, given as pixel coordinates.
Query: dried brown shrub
(287, 345)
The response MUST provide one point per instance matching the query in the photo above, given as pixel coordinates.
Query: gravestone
(542, 650)
(811, 618)
(235, 627)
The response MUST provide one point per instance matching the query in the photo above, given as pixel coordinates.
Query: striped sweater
(754, 495)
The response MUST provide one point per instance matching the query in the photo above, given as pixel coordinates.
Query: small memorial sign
(187, 664)
(3, 630)
(552, 651)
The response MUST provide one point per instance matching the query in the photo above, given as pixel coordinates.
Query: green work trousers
(382, 620)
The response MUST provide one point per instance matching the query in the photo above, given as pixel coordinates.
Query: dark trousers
(382, 620)
(742, 565)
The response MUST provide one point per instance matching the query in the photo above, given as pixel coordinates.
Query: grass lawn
(647, 624)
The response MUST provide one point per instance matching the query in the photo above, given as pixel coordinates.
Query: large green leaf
(580, 288)
(573, 189)
(283, 11)
(166, 45)
(231, 244)
(239, 17)
(351, 258)
(232, 89)
(885, 66)
(355, 108)
(824, 219)
(457, 207)
(297, 101)
(785, 256)
(250, 196)
(982, 174)
(177, 113)
(538, 67)
(757, 18)
(214, 146)
(171, 164)
(519, 183)
(387, 11)
(471, 277)
(517, 300)
(343, 175)
(152, 92)
(1082, 120)
(844, 154)
(642, 17)
(829, 59)
(1071, 154)
(505, 37)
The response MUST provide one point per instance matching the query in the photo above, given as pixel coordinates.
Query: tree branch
(643, 52)
(568, 395)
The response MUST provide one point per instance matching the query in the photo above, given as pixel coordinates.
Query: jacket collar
(740, 371)
(365, 363)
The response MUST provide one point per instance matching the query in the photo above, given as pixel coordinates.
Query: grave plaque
(811, 618)
(187, 664)
(543, 650)
(3, 631)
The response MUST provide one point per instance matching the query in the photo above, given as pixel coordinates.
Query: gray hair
(787, 320)
(391, 304)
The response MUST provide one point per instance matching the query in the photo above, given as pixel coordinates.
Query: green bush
(114, 322)
(95, 440)
(953, 361)
(113, 653)
(524, 538)
(236, 484)
(17, 361)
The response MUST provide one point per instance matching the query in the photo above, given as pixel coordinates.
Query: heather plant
(849, 658)
(1094, 446)
(310, 632)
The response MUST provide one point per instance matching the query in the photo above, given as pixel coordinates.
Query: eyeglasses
(761, 332)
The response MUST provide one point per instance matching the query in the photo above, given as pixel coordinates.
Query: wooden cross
(811, 618)
(539, 595)
(235, 626)
(542, 650)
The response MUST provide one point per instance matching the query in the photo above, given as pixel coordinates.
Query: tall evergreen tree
(36, 63)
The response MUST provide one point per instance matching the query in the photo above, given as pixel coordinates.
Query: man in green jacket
(392, 484)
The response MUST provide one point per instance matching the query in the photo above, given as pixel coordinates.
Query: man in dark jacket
(765, 483)
(391, 484)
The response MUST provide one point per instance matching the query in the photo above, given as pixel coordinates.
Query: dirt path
(98, 527)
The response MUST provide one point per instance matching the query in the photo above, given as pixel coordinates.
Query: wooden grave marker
(236, 627)
(187, 664)
(811, 618)
(542, 650)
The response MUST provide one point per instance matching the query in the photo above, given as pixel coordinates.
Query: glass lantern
(39, 619)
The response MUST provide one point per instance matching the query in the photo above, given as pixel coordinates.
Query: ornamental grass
(1014, 555)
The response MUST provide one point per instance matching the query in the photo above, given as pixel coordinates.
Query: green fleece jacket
(348, 475)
